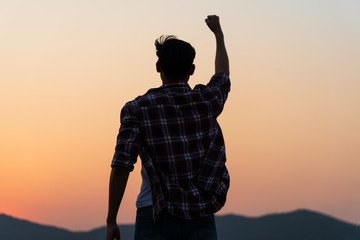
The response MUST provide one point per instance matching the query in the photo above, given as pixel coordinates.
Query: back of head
(175, 57)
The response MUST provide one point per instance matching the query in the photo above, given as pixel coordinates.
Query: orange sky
(291, 123)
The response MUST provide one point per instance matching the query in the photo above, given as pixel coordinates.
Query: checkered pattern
(174, 130)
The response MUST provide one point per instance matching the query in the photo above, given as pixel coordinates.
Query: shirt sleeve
(128, 140)
(219, 86)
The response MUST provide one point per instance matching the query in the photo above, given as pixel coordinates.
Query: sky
(291, 123)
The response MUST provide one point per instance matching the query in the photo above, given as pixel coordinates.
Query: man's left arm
(125, 156)
(117, 185)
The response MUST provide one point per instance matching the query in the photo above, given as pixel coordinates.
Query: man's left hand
(112, 232)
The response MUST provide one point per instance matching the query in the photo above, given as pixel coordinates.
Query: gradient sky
(291, 123)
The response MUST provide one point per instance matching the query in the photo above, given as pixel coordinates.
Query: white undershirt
(144, 198)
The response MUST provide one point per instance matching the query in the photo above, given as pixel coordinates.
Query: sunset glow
(291, 123)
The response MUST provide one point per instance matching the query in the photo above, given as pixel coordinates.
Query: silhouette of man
(175, 131)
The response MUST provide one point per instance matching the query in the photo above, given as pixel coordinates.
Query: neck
(165, 80)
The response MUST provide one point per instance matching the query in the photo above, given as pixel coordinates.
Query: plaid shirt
(174, 130)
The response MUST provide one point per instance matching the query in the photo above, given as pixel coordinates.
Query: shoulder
(142, 100)
(219, 79)
(216, 81)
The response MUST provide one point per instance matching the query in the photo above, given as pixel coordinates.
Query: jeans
(168, 227)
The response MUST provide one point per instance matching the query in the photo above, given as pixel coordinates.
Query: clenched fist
(213, 23)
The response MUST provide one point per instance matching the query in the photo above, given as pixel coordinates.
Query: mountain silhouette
(297, 225)
(300, 224)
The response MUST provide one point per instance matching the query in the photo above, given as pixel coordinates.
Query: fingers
(113, 232)
(212, 18)
(213, 23)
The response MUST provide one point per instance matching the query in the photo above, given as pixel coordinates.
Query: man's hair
(175, 56)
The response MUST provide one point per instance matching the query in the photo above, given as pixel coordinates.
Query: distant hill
(297, 225)
(300, 224)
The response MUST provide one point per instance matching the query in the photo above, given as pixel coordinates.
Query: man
(174, 130)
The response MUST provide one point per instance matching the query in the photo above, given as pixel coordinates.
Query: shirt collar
(175, 84)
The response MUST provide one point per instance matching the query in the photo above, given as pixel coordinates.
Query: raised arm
(221, 58)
